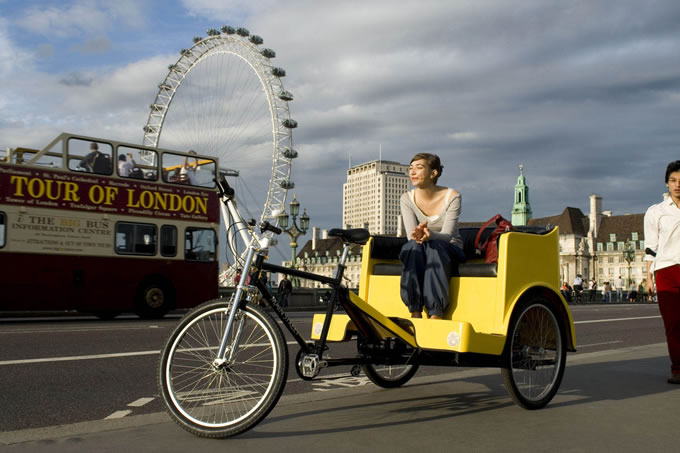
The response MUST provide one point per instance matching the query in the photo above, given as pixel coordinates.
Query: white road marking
(140, 402)
(579, 346)
(78, 357)
(616, 319)
(141, 353)
(86, 357)
(75, 329)
(118, 414)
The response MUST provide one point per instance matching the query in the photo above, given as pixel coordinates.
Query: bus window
(135, 238)
(137, 163)
(195, 171)
(2, 229)
(168, 240)
(90, 156)
(199, 244)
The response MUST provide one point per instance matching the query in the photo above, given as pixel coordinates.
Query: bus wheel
(153, 300)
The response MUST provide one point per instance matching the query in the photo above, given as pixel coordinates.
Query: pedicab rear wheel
(535, 354)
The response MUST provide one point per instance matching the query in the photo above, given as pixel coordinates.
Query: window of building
(620, 246)
(600, 260)
(610, 246)
(3, 230)
(622, 270)
(135, 238)
(642, 245)
(90, 156)
(168, 240)
(634, 235)
(612, 237)
(611, 271)
(610, 259)
(621, 260)
(601, 271)
(199, 244)
(600, 247)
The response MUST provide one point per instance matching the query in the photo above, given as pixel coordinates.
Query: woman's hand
(650, 285)
(421, 233)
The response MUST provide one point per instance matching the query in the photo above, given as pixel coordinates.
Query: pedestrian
(592, 287)
(566, 293)
(632, 293)
(618, 285)
(607, 292)
(285, 290)
(662, 247)
(642, 290)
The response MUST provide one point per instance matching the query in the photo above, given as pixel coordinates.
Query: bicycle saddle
(355, 235)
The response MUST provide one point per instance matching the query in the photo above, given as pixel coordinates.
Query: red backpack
(489, 248)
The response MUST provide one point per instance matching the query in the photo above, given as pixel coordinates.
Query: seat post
(343, 259)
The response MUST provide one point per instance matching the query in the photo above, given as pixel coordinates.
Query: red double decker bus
(106, 227)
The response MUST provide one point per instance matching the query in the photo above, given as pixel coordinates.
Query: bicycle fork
(225, 354)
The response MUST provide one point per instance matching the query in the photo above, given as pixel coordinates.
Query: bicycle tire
(390, 376)
(222, 402)
(535, 356)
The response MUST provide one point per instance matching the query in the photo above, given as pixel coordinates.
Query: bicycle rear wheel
(222, 401)
(390, 376)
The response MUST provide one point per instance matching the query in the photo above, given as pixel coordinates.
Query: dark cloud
(75, 79)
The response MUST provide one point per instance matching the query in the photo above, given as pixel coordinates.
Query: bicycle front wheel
(222, 400)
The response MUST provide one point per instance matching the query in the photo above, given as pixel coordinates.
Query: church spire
(521, 210)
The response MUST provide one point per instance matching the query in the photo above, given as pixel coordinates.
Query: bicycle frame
(254, 263)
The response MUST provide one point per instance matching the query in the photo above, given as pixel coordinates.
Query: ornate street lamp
(294, 232)
(629, 256)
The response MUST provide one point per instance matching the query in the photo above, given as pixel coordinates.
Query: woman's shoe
(674, 379)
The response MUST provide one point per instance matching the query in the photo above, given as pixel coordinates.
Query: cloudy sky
(584, 94)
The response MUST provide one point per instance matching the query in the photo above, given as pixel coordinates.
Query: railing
(599, 297)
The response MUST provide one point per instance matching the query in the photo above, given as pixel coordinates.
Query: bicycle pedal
(309, 365)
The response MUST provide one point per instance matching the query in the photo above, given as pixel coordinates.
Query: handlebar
(266, 226)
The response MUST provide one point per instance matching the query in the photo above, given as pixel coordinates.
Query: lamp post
(629, 256)
(294, 232)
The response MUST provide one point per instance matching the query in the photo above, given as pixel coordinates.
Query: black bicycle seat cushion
(354, 235)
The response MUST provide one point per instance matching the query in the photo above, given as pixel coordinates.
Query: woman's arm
(651, 243)
(408, 214)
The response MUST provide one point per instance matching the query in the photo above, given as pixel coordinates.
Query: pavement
(614, 400)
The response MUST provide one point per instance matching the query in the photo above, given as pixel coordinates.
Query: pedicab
(224, 367)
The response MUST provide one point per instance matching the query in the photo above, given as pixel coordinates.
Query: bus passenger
(126, 165)
(188, 171)
(435, 247)
(96, 161)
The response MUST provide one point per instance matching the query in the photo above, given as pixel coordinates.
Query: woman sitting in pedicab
(430, 213)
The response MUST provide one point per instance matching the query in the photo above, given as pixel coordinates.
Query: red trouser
(668, 289)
